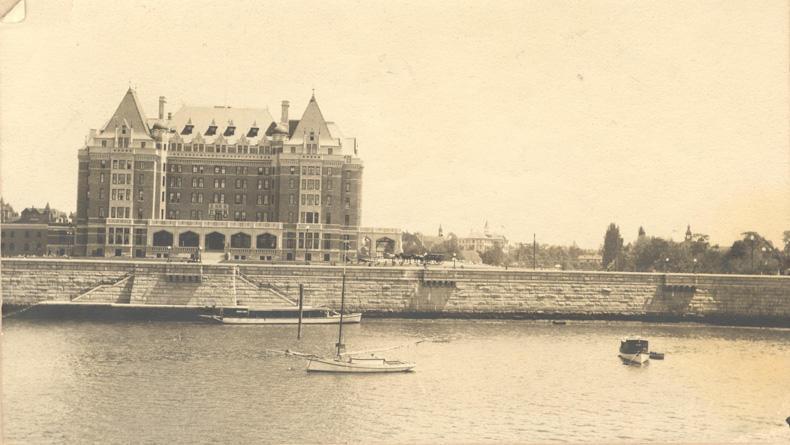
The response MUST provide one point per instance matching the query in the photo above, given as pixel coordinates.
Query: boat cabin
(633, 346)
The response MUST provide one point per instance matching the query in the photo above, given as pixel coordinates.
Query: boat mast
(342, 300)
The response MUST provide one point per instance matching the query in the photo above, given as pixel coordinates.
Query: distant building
(37, 232)
(234, 181)
(589, 262)
(7, 213)
(428, 241)
(481, 242)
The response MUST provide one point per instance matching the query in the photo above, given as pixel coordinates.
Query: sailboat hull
(358, 366)
(331, 319)
(634, 359)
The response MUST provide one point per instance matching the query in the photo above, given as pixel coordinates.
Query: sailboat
(345, 362)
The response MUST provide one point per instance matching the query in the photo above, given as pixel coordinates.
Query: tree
(752, 255)
(612, 247)
(494, 256)
(412, 244)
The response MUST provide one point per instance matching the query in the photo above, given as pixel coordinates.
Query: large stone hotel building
(233, 181)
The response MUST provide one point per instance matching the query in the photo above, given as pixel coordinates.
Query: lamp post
(666, 265)
(169, 253)
(453, 260)
(695, 266)
(751, 237)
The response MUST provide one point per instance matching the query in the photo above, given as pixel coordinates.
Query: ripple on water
(486, 382)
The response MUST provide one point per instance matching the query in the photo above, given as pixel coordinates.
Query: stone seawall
(397, 291)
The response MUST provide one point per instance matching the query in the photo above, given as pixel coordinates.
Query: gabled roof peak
(129, 113)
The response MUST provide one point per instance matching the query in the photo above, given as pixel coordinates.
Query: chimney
(284, 116)
(162, 103)
(169, 116)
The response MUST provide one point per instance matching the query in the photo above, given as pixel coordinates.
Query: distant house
(589, 262)
(7, 213)
(481, 242)
(37, 232)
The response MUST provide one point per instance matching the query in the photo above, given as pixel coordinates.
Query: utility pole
(534, 251)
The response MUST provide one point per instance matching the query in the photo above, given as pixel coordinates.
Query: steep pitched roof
(312, 121)
(202, 117)
(130, 112)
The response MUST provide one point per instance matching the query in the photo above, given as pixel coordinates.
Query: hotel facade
(226, 181)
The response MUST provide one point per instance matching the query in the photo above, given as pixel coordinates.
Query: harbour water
(477, 381)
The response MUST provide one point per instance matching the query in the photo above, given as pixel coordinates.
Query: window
(348, 203)
(103, 143)
(328, 201)
(347, 220)
(293, 170)
(140, 178)
(291, 199)
(101, 178)
(140, 195)
(142, 144)
(348, 187)
(103, 163)
(101, 214)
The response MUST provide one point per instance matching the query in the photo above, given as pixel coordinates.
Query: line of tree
(752, 254)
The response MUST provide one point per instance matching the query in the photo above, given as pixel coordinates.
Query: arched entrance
(266, 241)
(385, 245)
(163, 238)
(215, 241)
(240, 241)
(188, 239)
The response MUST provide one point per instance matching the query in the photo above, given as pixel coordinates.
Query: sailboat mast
(342, 301)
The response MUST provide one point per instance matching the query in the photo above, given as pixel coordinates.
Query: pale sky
(548, 117)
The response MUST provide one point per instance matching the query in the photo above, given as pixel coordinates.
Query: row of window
(119, 212)
(11, 234)
(312, 184)
(25, 247)
(121, 178)
(122, 143)
(311, 200)
(118, 235)
(120, 194)
(242, 170)
(121, 164)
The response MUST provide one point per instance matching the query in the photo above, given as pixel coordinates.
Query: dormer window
(187, 129)
(312, 136)
(229, 131)
(253, 132)
(212, 130)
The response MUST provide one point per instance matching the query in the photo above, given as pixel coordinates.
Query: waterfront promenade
(406, 291)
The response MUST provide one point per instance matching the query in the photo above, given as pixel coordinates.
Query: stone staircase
(117, 292)
(209, 290)
(257, 295)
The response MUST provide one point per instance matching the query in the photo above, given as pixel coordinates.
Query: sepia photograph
(394, 221)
